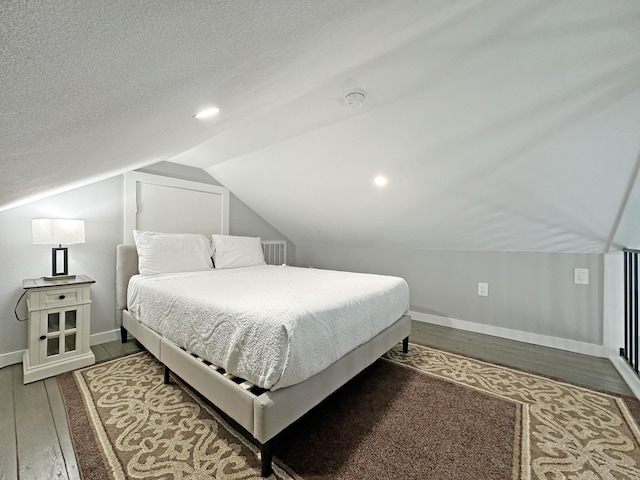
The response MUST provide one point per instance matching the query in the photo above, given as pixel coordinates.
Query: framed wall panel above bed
(171, 205)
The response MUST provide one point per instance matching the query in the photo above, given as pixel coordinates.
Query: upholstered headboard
(170, 205)
(126, 267)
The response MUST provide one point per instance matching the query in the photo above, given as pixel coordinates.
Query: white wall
(101, 206)
(532, 296)
(613, 317)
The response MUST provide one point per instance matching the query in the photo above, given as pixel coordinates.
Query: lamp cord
(15, 310)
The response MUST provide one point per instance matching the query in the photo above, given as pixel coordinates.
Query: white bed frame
(204, 208)
(262, 415)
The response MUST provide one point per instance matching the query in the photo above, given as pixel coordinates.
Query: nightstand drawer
(59, 297)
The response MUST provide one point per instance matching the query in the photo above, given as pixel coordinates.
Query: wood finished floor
(34, 436)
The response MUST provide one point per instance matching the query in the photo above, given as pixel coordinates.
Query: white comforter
(274, 326)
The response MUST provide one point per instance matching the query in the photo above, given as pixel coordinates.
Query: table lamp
(58, 231)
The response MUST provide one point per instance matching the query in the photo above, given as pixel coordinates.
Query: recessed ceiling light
(209, 112)
(380, 181)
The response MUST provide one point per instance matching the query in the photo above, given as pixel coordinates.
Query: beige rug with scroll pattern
(427, 414)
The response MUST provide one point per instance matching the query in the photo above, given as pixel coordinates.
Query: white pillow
(231, 251)
(172, 252)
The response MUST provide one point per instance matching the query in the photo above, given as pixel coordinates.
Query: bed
(262, 407)
(164, 204)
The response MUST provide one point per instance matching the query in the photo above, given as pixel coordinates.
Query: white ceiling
(509, 126)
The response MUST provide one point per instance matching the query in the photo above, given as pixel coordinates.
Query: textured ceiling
(89, 89)
(508, 126)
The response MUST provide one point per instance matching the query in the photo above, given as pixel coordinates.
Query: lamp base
(59, 277)
(60, 263)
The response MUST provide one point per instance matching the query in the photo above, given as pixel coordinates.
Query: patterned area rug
(427, 414)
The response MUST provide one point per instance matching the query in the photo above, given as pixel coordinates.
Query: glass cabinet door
(70, 342)
(53, 346)
(61, 329)
(53, 322)
(70, 318)
(53, 333)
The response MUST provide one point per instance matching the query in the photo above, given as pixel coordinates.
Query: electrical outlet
(581, 276)
(483, 289)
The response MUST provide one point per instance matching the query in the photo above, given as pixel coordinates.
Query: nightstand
(58, 326)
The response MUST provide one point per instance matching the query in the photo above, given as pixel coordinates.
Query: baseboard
(13, 358)
(517, 335)
(630, 378)
(104, 337)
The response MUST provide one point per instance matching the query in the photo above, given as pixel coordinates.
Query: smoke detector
(354, 98)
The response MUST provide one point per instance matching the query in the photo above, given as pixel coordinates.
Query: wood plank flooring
(34, 436)
(593, 372)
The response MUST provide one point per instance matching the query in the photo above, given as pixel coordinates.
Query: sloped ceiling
(511, 126)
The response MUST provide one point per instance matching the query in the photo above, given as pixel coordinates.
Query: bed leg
(405, 345)
(167, 372)
(123, 334)
(266, 456)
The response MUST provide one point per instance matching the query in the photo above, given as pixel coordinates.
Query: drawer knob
(61, 297)
(43, 337)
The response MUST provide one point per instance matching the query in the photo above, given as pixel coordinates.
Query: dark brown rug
(394, 422)
(425, 415)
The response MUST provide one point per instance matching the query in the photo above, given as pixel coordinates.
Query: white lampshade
(57, 231)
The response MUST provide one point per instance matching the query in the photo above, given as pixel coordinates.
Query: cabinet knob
(43, 337)
(61, 297)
